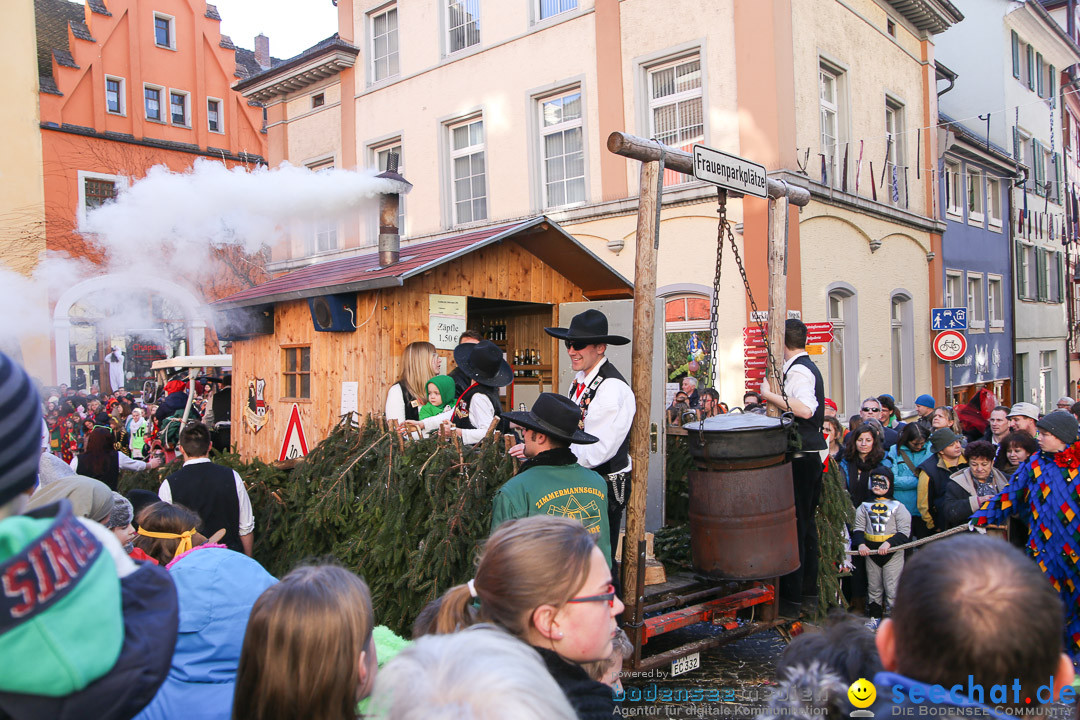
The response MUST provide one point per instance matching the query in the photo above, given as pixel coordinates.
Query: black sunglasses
(577, 344)
(866, 409)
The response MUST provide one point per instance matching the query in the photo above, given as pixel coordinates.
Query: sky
(291, 25)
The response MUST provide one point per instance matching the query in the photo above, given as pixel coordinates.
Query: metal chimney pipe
(389, 202)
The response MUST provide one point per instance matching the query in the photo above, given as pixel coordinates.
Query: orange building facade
(126, 85)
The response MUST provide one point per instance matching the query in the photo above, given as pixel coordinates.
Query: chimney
(262, 51)
(389, 236)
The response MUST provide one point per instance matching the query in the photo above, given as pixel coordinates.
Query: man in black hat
(479, 404)
(607, 407)
(552, 482)
(804, 396)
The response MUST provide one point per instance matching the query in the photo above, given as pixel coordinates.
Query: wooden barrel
(742, 520)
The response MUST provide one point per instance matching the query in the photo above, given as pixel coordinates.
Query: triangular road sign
(295, 444)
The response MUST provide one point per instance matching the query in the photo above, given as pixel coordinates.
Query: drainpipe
(389, 202)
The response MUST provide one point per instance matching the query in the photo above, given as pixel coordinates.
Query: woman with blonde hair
(308, 649)
(419, 362)
(544, 580)
(945, 416)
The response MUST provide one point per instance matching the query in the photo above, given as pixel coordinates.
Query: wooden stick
(638, 148)
(641, 384)
(777, 289)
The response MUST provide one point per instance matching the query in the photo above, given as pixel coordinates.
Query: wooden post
(641, 384)
(777, 288)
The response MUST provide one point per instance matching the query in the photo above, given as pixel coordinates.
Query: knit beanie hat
(1061, 424)
(20, 430)
(926, 400)
(447, 390)
(943, 438)
(122, 512)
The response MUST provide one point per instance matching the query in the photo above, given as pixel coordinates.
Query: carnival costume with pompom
(1045, 492)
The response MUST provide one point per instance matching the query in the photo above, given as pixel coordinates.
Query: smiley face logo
(862, 693)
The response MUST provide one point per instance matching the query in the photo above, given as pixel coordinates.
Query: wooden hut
(328, 338)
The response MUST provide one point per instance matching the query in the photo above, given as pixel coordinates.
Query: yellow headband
(185, 538)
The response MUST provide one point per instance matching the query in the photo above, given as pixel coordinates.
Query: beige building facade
(501, 110)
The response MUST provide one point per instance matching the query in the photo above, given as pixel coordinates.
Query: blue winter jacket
(217, 588)
(906, 482)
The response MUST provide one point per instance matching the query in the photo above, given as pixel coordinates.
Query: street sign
(754, 342)
(730, 171)
(755, 363)
(950, 345)
(948, 319)
(815, 349)
(754, 351)
(824, 337)
(821, 327)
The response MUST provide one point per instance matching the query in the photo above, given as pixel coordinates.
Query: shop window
(296, 373)
(462, 24)
(562, 145)
(469, 180)
(676, 113)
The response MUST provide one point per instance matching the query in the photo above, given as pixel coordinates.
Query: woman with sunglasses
(544, 580)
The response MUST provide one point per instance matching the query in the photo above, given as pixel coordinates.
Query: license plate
(685, 664)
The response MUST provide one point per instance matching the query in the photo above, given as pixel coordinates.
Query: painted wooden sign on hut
(348, 320)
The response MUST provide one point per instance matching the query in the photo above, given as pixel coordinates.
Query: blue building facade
(976, 177)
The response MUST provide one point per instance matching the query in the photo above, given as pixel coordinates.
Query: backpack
(169, 433)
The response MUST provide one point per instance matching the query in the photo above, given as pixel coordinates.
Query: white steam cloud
(167, 225)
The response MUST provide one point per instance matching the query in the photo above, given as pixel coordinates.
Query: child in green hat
(440, 393)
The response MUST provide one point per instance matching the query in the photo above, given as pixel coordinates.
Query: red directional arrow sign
(758, 373)
(753, 351)
(820, 337)
(755, 363)
(821, 327)
(758, 342)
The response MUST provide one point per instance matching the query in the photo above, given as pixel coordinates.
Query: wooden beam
(641, 384)
(644, 150)
(777, 288)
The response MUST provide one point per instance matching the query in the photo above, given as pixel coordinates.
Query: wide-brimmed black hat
(483, 362)
(589, 326)
(554, 415)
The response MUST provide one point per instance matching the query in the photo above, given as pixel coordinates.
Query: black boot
(873, 610)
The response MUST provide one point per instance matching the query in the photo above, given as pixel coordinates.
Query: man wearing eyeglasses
(805, 398)
(607, 407)
(871, 410)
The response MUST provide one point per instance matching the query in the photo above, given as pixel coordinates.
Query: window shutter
(1040, 275)
(1021, 290)
(1059, 258)
(1057, 177)
(1051, 81)
(1016, 55)
(1040, 87)
(1030, 67)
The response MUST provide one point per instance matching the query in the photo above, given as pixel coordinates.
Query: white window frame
(172, 30)
(372, 17)
(974, 195)
(845, 346)
(122, 96)
(453, 154)
(993, 203)
(953, 294)
(955, 182)
(995, 297)
(374, 150)
(446, 9)
(894, 126)
(538, 9)
(1024, 270)
(187, 108)
(83, 175)
(162, 100)
(831, 118)
(221, 115)
(562, 127)
(975, 301)
(904, 353)
(676, 99)
(331, 229)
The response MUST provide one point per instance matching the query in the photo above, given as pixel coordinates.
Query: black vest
(412, 412)
(810, 430)
(621, 458)
(461, 418)
(210, 490)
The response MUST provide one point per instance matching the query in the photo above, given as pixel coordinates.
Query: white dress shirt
(611, 413)
(799, 383)
(247, 518)
(125, 462)
(395, 404)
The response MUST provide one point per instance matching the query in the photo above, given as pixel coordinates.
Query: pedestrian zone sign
(948, 319)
